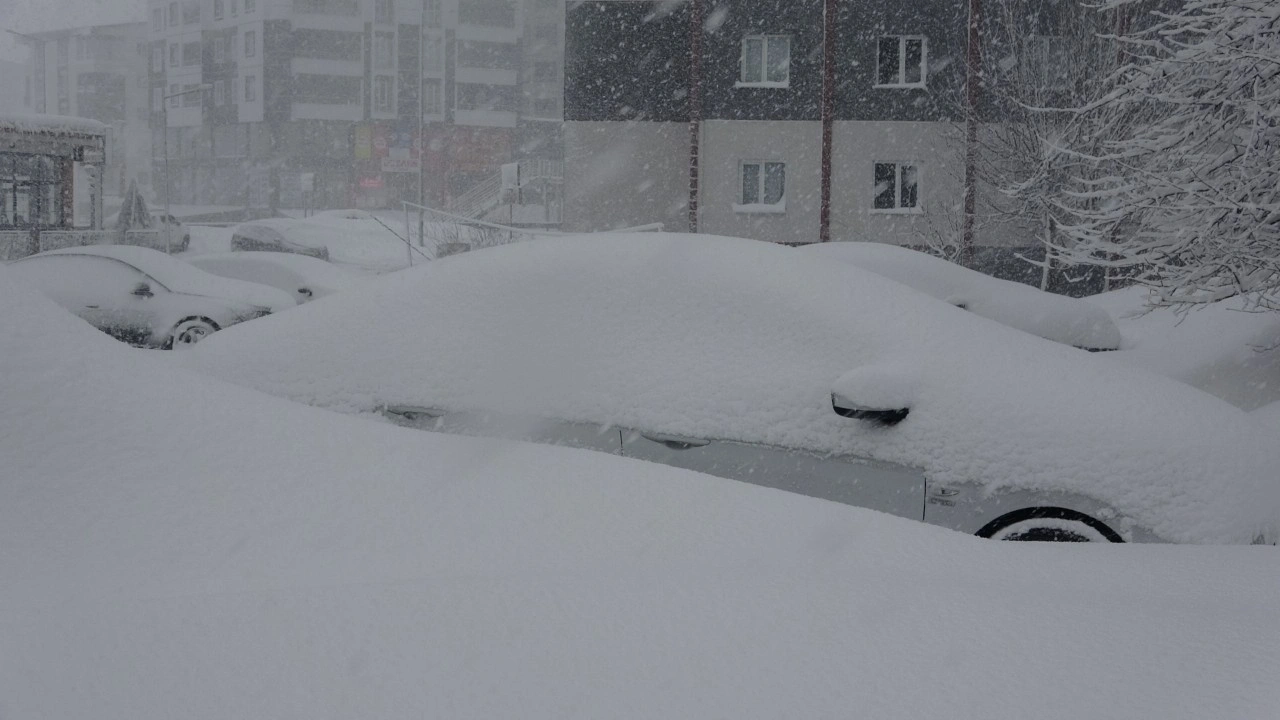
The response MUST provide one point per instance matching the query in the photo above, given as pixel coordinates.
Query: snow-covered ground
(1223, 348)
(175, 547)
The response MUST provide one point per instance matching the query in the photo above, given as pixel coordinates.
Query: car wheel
(191, 331)
(1049, 524)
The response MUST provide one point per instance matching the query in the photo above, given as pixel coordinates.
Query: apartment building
(321, 102)
(97, 72)
(730, 138)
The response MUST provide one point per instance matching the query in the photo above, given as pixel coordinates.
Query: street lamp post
(168, 187)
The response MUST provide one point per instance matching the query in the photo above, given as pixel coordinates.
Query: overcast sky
(37, 15)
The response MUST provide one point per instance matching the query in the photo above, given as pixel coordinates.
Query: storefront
(48, 164)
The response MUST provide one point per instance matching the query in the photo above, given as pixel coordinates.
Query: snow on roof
(170, 542)
(184, 277)
(1055, 317)
(742, 340)
(56, 124)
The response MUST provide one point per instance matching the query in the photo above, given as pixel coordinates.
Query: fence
(444, 233)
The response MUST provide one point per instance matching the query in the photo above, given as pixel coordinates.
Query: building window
(250, 88)
(157, 20)
(897, 187)
(157, 99)
(250, 43)
(432, 10)
(235, 7)
(249, 6)
(382, 12)
(433, 54)
(191, 53)
(191, 12)
(173, 55)
(384, 50)
(382, 94)
(219, 50)
(217, 9)
(900, 61)
(157, 59)
(192, 97)
(764, 186)
(173, 95)
(173, 14)
(219, 92)
(432, 97)
(1048, 62)
(766, 60)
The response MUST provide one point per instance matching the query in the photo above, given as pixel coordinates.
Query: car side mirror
(143, 290)
(890, 416)
(305, 292)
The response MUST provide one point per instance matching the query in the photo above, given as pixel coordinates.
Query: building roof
(54, 124)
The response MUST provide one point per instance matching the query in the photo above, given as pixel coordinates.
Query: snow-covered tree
(1183, 191)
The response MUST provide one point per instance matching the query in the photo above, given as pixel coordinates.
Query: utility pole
(972, 97)
(422, 140)
(695, 108)
(828, 113)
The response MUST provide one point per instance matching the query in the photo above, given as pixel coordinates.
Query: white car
(143, 296)
(760, 363)
(305, 278)
(1063, 319)
(179, 235)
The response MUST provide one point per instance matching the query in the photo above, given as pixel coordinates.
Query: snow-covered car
(143, 296)
(1225, 348)
(169, 542)
(756, 362)
(276, 235)
(305, 278)
(346, 237)
(1067, 320)
(179, 233)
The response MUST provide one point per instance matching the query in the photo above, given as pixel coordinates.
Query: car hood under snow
(743, 340)
(1054, 317)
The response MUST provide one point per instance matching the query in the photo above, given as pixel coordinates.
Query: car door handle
(675, 442)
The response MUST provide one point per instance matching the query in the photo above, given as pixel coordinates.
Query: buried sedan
(751, 361)
(143, 296)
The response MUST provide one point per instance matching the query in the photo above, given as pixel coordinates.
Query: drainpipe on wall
(971, 97)
(828, 113)
(695, 107)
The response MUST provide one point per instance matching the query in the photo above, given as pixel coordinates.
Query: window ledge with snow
(777, 208)
(745, 84)
(897, 211)
(900, 86)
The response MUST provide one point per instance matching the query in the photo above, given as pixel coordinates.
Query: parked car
(760, 363)
(275, 235)
(162, 223)
(305, 278)
(1063, 319)
(143, 296)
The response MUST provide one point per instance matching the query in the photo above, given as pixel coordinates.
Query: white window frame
(902, 62)
(764, 63)
(897, 208)
(433, 102)
(219, 50)
(250, 85)
(250, 43)
(219, 92)
(760, 207)
(217, 9)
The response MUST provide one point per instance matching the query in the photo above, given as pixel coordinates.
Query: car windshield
(639, 358)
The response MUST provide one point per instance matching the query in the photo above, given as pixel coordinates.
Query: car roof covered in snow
(742, 340)
(1055, 317)
(181, 276)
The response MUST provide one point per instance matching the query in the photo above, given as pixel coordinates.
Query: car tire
(1049, 524)
(191, 331)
